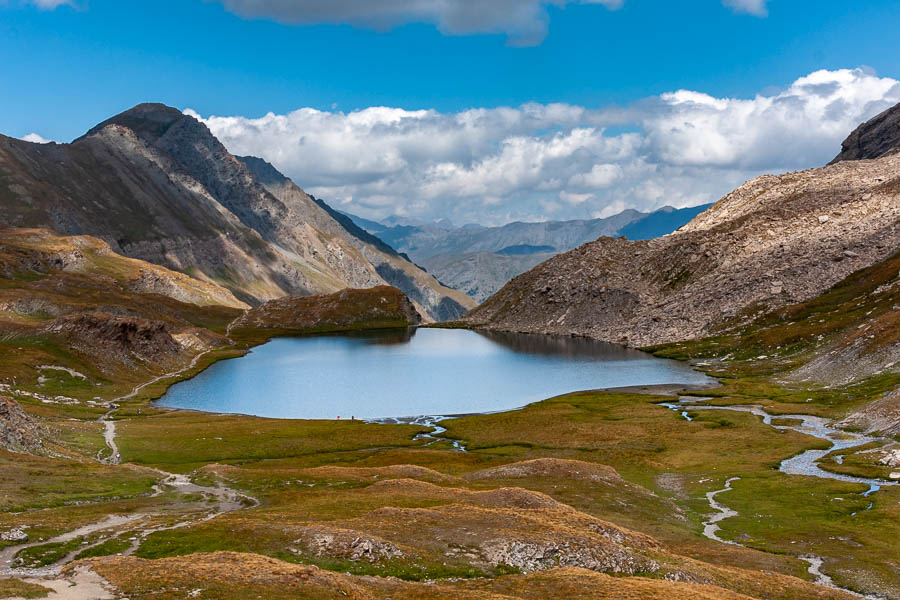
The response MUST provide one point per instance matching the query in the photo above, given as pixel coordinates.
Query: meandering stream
(805, 463)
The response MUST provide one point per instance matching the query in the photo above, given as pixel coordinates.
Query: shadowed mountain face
(157, 185)
(875, 138)
(773, 242)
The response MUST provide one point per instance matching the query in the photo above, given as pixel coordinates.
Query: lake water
(415, 372)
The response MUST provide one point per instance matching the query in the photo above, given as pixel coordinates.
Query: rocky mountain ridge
(774, 241)
(156, 185)
(431, 298)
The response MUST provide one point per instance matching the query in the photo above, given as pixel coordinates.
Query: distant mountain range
(156, 185)
(480, 260)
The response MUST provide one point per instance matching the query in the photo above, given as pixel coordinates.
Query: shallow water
(406, 373)
(805, 463)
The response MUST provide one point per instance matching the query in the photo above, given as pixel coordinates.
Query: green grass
(633, 434)
(194, 439)
(30, 483)
(46, 554)
(797, 515)
(13, 588)
(109, 547)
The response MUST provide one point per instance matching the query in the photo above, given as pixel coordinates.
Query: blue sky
(73, 67)
(70, 67)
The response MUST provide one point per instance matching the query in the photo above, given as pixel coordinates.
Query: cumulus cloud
(524, 21)
(35, 139)
(538, 161)
(750, 7)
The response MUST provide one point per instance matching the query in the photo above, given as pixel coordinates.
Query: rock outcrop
(882, 416)
(124, 340)
(380, 307)
(877, 137)
(19, 432)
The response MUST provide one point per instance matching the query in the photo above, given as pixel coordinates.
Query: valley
(480, 260)
(765, 467)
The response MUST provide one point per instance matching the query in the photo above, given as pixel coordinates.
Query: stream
(805, 463)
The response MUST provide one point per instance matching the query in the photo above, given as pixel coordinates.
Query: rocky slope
(156, 185)
(481, 274)
(774, 241)
(77, 319)
(439, 302)
(18, 431)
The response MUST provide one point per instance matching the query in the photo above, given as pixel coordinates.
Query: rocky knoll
(126, 340)
(380, 307)
(774, 241)
(156, 185)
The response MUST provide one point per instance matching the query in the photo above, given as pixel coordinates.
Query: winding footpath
(805, 463)
(213, 501)
(110, 425)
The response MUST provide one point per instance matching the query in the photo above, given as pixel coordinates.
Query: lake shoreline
(406, 375)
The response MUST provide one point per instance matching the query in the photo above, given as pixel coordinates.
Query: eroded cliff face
(774, 241)
(156, 185)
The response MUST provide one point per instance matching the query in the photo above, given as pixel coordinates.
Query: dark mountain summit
(877, 137)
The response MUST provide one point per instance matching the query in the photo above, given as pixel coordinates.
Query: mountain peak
(875, 138)
(149, 120)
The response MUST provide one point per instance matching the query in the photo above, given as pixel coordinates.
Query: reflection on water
(562, 345)
(384, 337)
(407, 372)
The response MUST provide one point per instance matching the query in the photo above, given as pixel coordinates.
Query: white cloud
(524, 21)
(50, 4)
(35, 139)
(600, 176)
(493, 165)
(574, 198)
(750, 7)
